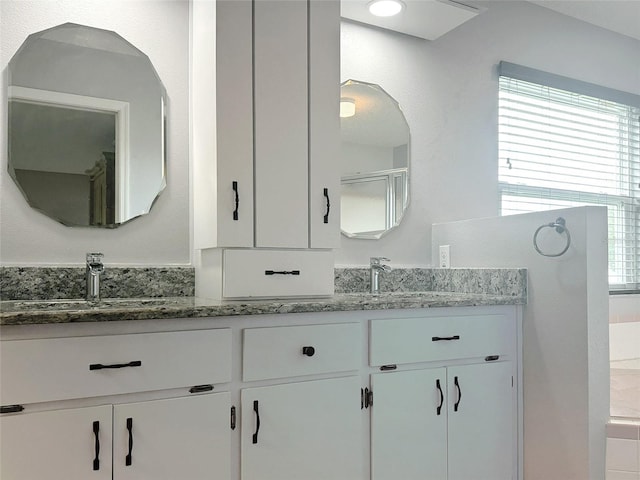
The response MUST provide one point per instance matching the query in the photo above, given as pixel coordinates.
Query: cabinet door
(324, 123)
(409, 426)
(307, 430)
(281, 124)
(184, 438)
(482, 438)
(73, 444)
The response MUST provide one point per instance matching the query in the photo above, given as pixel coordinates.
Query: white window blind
(560, 148)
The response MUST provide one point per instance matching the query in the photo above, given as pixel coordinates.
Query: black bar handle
(457, 404)
(234, 184)
(438, 339)
(326, 215)
(127, 460)
(282, 272)
(255, 409)
(100, 366)
(439, 409)
(96, 431)
(11, 408)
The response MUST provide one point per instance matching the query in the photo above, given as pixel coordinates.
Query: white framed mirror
(375, 159)
(86, 126)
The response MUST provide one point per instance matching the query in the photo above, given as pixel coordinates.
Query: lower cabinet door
(306, 430)
(409, 425)
(481, 442)
(72, 444)
(184, 438)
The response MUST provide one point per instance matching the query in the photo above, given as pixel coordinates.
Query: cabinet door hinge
(233, 417)
(366, 398)
(11, 409)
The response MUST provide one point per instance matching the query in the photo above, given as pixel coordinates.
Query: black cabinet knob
(308, 351)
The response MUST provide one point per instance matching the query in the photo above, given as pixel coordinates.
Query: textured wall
(160, 28)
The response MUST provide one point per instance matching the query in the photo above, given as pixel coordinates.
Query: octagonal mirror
(375, 152)
(86, 126)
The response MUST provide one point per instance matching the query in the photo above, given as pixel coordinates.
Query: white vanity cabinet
(456, 421)
(297, 427)
(270, 177)
(127, 407)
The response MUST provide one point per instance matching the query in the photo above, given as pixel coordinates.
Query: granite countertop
(19, 312)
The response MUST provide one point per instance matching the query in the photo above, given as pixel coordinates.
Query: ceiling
(432, 18)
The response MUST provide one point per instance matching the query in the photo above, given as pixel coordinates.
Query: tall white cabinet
(266, 136)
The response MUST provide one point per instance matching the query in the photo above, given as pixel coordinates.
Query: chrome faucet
(376, 267)
(93, 271)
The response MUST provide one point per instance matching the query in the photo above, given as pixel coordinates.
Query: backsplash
(46, 283)
(488, 281)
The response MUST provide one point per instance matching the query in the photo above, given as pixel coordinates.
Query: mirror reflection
(375, 151)
(86, 126)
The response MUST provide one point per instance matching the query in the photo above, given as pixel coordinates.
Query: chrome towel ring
(560, 226)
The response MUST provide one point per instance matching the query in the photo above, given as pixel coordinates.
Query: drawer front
(279, 352)
(277, 273)
(78, 367)
(413, 340)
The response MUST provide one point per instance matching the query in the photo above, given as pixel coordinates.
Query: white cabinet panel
(57, 445)
(324, 123)
(412, 340)
(281, 124)
(409, 426)
(78, 367)
(482, 438)
(307, 430)
(182, 438)
(279, 352)
(277, 273)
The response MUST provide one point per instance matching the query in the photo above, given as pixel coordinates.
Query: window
(565, 143)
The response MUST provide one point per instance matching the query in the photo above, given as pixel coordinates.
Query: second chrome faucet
(93, 271)
(376, 266)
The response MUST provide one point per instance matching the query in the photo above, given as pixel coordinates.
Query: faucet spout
(376, 266)
(93, 271)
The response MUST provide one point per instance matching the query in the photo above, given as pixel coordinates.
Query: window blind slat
(561, 149)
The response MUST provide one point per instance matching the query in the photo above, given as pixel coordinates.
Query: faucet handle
(378, 260)
(94, 259)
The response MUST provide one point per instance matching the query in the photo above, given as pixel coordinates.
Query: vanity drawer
(279, 352)
(277, 273)
(413, 340)
(74, 367)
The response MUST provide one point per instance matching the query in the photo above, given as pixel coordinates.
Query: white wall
(160, 28)
(565, 331)
(447, 90)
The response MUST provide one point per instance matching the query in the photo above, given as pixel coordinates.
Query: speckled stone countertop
(70, 311)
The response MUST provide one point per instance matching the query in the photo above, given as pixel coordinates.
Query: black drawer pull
(255, 409)
(100, 366)
(127, 460)
(438, 339)
(237, 199)
(282, 272)
(326, 215)
(201, 388)
(308, 351)
(96, 431)
(11, 408)
(457, 404)
(491, 358)
(439, 409)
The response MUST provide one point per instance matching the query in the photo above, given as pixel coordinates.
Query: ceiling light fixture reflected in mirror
(347, 107)
(385, 8)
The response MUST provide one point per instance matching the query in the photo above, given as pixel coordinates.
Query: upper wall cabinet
(269, 176)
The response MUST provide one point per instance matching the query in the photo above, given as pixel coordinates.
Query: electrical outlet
(445, 256)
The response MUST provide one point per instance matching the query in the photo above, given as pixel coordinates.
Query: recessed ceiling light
(385, 8)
